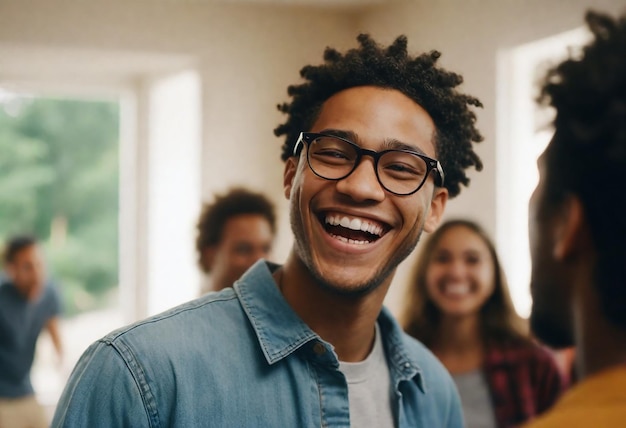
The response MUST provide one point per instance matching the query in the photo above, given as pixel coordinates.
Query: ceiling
(320, 3)
(37, 63)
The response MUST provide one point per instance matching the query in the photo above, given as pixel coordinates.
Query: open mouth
(353, 230)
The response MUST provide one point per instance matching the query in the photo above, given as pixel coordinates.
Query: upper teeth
(457, 289)
(354, 224)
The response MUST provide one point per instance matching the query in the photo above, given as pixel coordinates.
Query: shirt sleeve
(54, 306)
(101, 392)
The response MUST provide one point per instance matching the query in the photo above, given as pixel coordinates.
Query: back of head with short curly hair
(587, 156)
(419, 78)
(237, 201)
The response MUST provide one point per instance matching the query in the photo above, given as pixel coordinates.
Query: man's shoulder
(51, 291)
(5, 282)
(581, 417)
(8, 292)
(204, 315)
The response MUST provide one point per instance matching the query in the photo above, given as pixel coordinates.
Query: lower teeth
(349, 241)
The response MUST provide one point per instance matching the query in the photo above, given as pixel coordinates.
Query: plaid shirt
(524, 381)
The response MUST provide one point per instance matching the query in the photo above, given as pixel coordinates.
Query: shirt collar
(280, 330)
(403, 364)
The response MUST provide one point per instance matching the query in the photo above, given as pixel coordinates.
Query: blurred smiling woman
(458, 305)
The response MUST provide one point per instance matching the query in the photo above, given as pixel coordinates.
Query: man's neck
(600, 344)
(347, 322)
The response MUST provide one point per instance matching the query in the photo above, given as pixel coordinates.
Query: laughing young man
(309, 343)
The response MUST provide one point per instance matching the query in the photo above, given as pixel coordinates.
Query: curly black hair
(419, 78)
(235, 202)
(587, 155)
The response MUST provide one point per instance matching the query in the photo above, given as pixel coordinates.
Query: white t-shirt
(476, 399)
(369, 389)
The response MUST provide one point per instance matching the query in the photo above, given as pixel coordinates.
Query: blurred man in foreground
(578, 229)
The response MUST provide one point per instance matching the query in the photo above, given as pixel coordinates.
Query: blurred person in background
(577, 228)
(234, 231)
(458, 305)
(28, 304)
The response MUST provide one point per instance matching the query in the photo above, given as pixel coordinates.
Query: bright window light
(522, 135)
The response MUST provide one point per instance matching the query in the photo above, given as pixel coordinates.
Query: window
(523, 133)
(59, 169)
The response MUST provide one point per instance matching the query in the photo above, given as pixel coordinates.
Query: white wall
(174, 190)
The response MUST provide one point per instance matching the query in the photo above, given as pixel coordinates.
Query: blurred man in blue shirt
(27, 306)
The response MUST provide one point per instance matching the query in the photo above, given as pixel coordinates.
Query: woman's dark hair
(420, 317)
(419, 78)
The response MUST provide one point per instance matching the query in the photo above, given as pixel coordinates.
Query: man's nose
(362, 184)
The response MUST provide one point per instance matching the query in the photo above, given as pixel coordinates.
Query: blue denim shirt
(242, 358)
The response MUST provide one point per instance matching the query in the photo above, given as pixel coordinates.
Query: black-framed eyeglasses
(401, 172)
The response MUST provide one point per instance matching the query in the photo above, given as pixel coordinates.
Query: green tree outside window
(59, 180)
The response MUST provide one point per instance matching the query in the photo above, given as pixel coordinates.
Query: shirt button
(319, 349)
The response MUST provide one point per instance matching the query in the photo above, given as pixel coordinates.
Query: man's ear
(291, 166)
(437, 207)
(570, 230)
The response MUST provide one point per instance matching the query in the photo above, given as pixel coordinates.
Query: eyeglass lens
(398, 172)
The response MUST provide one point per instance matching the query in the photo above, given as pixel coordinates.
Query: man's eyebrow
(393, 144)
(348, 135)
(388, 144)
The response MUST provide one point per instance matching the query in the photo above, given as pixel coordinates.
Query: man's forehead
(386, 144)
(380, 116)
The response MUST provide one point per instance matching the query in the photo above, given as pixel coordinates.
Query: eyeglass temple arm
(440, 173)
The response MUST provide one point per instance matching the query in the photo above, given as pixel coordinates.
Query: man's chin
(348, 286)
